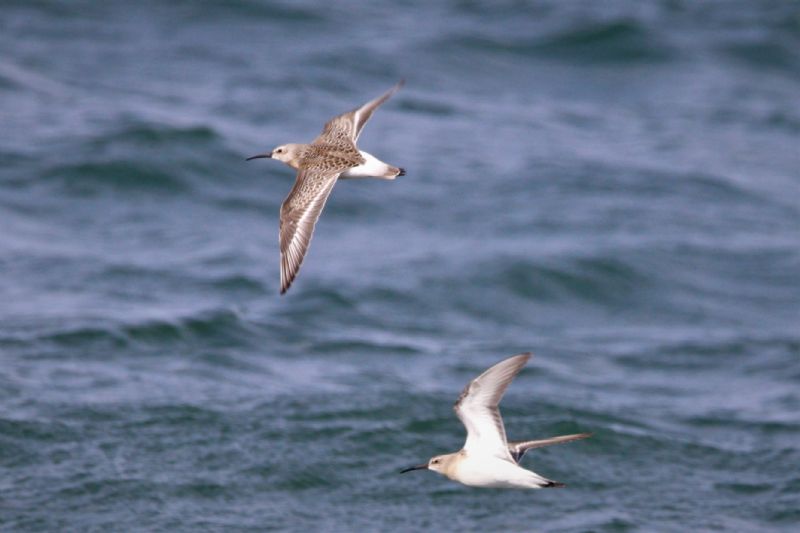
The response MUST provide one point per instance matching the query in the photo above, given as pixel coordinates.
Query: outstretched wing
(348, 126)
(299, 214)
(477, 408)
(518, 448)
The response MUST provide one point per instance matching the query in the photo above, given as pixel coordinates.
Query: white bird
(332, 155)
(487, 458)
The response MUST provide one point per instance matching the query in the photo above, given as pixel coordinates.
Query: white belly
(495, 473)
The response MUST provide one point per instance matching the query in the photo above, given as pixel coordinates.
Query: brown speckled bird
(330, 156)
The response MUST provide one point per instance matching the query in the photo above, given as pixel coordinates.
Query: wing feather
(478, 410)
(299, 214)
(518, 448)
(348, 126)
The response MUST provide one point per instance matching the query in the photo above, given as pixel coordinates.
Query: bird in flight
(488, 459)
(332, 155)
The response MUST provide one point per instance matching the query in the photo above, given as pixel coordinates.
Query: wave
(156, 135)
(265, 10)
(621, 41)
(591, 279)
(214, 328)
(624, 41)
(764, 54)
(89, 178)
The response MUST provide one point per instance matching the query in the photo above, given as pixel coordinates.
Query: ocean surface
(614, 186)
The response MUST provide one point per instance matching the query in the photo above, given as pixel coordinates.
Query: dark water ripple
(617, 41)
(611, 185)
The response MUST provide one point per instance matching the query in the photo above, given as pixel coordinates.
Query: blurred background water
(612, 185)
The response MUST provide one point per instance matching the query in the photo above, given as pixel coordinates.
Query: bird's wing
(518, 448)
(477, 408)
(348, 126)
(299, 214)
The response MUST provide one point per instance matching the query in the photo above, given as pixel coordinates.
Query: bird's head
(441, 464)
(288, 153)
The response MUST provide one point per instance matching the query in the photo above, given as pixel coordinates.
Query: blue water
(611, 185)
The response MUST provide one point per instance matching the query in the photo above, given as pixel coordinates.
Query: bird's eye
(436, 461)
(279, 150)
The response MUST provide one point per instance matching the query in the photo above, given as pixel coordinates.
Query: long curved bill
(418, 467)
(259, 156)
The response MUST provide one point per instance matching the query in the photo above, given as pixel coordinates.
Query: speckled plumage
(319, 165)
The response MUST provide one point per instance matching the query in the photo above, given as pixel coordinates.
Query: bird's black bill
(259, 156)
(418, 467)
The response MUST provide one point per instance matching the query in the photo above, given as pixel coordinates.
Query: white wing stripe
(477, 408)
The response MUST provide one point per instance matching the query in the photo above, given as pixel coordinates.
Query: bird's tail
(518, 448)
(535, 481)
